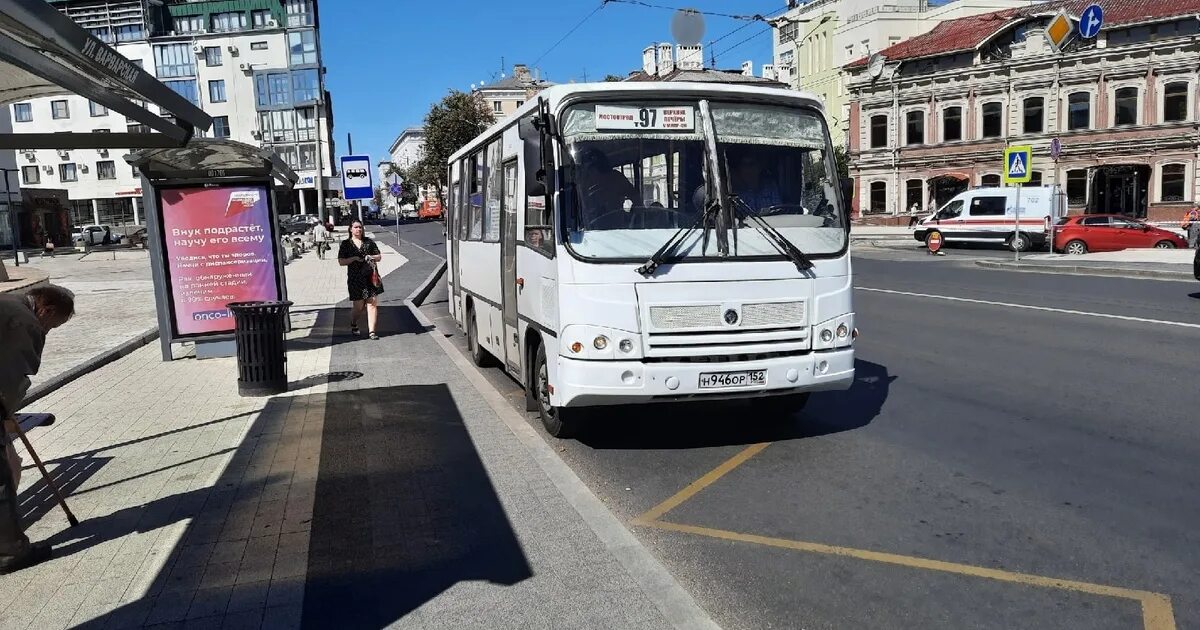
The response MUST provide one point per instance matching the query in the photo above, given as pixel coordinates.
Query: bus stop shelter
(213, 234)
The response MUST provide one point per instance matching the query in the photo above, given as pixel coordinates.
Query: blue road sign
(357, 183)
(1016, 165)
(396, 190)
(1090, 21)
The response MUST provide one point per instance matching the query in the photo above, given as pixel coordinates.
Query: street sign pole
(1017, 231)
(1018, 169)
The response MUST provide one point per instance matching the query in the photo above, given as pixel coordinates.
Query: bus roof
(556, 94)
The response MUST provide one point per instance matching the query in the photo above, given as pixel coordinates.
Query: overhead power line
(570, 32)
(756, 17)
(744, 41)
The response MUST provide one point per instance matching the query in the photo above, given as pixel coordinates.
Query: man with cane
(24, 322)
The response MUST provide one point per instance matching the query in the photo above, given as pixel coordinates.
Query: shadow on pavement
(324, 379)
(1194, 296)
(404, 509)
(332, 327)
(69, 474)
(735, 423)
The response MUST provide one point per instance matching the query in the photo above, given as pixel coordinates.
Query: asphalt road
(1022, 454)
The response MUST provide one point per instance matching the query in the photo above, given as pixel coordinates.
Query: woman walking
(361, 257)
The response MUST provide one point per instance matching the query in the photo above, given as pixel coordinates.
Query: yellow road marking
(707, 480)
(1157, 612)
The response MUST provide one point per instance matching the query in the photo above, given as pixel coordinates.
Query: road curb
(89, 366)
(675, 603)
(1077, 270)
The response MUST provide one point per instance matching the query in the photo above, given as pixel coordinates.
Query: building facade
(1121, 109)
(814, 40)
(511, 92)
(253, 65)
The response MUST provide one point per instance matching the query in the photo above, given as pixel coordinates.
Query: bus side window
(539, 222)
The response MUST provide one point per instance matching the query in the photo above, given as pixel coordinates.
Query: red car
(1081, 234)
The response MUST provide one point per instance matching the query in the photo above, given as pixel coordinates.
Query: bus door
(453, 218)
(508, 266)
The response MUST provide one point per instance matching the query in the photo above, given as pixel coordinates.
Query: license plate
(733, 380)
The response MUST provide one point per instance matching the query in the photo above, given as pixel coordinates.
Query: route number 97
(647, 118)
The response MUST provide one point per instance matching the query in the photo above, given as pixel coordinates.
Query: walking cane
(15, 427)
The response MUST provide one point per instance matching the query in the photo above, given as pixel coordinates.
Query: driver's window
(952, 210)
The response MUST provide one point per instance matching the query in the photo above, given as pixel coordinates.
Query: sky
(389, 60)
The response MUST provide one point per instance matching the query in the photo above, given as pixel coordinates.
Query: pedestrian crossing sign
(1017, 161)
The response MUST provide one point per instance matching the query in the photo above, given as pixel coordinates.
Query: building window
(174, 60)
(306, 123)
(212, 56)
(1034, 114)
(66, 172)
(1172, 182)
(990, 181)
(278, 126)
(1077, 187)
(31, 175)
(879, 131)
(59, 110)
(788, 32)
(1175, 102)
(299, 12)
(993, 120)
(1126, 110)
(308, 156)
(303, 47)
(914, 127)
(1035, 178)
(497, 107)
(272, 89)
(137, 128)
(913, 194)
(216, 91)
(96, 109)
(228, 21)
(220, 128)
(952, 124)
(878, 197)
(130, 33)
(304, 86)
(23, 112)
(185, 88)
(188, 24)
(1079, 111)
(258, 45)
(288, 155)
(106, 169)
(260, 18)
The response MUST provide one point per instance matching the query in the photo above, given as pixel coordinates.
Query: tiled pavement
(382, 491)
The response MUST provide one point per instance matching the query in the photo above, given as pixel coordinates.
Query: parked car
(987, 215)
(1196, 264)
(1081, 234)
(296, 223)
(94, 235)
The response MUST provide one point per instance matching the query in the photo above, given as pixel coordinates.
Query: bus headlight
(826, 335)
(843, 331)
(834, 333)
(600, 342)
(626, 345)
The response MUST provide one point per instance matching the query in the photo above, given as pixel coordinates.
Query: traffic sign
(396, 190)
(1090, 21)
(356, 177)
(394, 179)
(1016, 165)
(1055, 148)
(934, 242)
(1058, 31)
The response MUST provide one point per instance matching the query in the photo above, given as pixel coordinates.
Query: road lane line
(1157, 613)
(696, 486)
(1047, 309)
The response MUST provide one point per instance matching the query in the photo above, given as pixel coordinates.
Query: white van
(987, 215)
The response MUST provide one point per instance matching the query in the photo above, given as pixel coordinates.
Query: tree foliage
(612, 78)
(449, 125)
(409, 185)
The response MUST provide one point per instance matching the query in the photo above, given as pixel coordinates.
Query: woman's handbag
(376, 281)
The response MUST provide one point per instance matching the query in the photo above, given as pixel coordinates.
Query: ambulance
(989, 215)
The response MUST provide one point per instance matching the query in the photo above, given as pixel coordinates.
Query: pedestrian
(321, 237)
(913, 213)
(49, 247)
(360, 255)
(107, 236)
(1191, 227)
(24, 323)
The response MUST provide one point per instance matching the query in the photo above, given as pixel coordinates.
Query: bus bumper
(593, 383)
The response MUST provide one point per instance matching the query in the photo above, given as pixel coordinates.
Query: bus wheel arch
(533, 341)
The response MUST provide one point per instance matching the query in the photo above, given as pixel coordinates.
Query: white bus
(621, 243)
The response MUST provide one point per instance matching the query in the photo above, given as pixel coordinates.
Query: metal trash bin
(262, 357)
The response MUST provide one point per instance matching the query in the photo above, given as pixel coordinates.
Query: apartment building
(253, 65)
(509, 93)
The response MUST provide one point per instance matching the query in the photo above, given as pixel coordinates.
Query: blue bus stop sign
(1090, 21)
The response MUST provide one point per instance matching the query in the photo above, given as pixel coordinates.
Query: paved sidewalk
(1159, 264)
(382, 491)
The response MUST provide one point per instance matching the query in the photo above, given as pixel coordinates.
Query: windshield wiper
(781, 243)
(673, 243)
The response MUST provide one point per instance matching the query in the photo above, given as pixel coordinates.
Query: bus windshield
(633, 181)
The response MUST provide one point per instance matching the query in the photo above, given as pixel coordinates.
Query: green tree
(450, 124)
(612, 78)
(408, 185)
(841, 155)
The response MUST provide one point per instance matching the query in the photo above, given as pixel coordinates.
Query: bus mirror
(527, 128)
(537, 187)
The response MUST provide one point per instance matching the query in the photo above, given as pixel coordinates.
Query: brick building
(934, 117)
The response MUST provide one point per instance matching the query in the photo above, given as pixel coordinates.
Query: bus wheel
(479, 356)
(560, 422)
(781, 408)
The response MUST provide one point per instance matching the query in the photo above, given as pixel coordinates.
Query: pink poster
(219, 249)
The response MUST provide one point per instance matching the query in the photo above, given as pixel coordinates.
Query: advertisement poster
(219, 249)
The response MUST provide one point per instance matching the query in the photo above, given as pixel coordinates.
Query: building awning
(211, 158)
(44, 53)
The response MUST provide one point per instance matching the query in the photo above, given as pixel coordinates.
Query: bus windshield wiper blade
(781, 243)
(668, 248)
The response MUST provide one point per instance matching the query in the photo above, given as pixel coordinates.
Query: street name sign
(356, 177)
(1016, 165)
(1090, 21)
